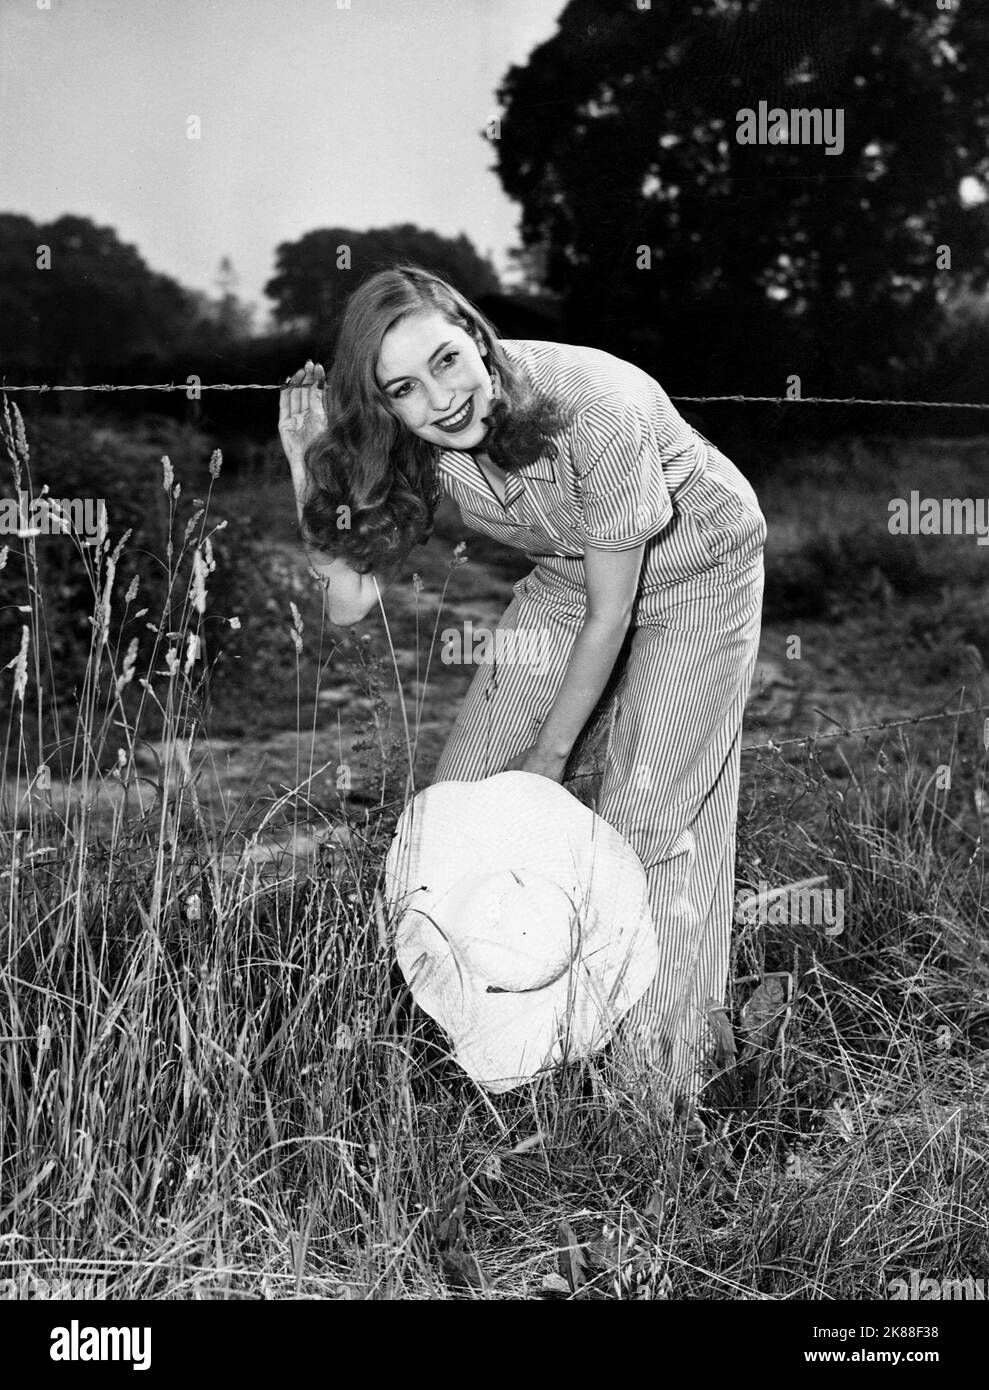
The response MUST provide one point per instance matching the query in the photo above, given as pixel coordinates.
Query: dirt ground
(877, 656)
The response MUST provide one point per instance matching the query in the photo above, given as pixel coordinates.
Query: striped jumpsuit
(630, 469)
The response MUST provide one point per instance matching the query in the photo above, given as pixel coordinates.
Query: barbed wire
(765, 400)
(810, 740)
(883, 726)
(841, 400)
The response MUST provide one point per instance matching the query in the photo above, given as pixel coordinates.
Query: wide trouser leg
(507, 700)
(671, 787)
(670, 782)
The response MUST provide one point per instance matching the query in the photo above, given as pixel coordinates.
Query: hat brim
(504, 1038)
(525, 822)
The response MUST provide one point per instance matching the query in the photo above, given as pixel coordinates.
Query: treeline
(78, 306)
(265, 359)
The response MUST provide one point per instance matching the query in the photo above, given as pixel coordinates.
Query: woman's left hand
(301, 410)
(533, 759)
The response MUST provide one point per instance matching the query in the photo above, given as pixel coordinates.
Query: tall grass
(213, 1083)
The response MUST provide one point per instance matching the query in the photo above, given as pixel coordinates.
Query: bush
(831, 573)
(138, 579)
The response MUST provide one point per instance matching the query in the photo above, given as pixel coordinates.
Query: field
(213, 1084)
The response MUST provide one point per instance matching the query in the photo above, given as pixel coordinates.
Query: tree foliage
(316, 273)
(619, 134)
(96, 303)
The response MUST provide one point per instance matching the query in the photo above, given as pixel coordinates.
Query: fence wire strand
(765, 400)
(776, 745)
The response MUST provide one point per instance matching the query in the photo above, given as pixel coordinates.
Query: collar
(464, 467)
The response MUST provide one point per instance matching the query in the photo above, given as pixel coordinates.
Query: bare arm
(347, 595)
(612, 579)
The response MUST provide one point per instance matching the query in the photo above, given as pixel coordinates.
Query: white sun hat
(523, 922)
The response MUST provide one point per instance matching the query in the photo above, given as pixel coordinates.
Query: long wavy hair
(373, 484)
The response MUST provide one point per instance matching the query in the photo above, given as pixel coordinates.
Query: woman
(645, 539)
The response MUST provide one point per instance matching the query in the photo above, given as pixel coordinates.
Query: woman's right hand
(301, 412)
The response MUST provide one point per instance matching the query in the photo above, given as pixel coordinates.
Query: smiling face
(436, 380)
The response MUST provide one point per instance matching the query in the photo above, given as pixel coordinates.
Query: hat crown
(516, 931)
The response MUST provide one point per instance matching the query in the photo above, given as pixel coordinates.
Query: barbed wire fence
(193, 388)
(883, 726)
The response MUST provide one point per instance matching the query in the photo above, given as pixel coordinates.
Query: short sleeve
(624, 498)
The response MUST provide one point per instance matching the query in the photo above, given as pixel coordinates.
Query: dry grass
(213, 1084)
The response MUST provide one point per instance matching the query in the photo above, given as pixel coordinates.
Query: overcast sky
(311, 115)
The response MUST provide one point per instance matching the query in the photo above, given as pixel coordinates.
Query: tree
(316, 274)
(20, 319)
(233, 318)
(734, 262)
(73, 297)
